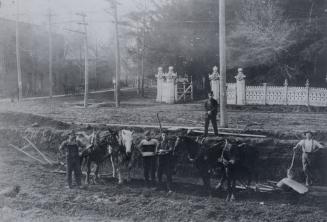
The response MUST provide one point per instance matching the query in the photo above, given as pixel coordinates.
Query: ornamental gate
(171, 88)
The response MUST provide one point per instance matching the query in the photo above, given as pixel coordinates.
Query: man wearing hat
(148, 147)
(211, 109)
(308, 146)
(72, 148)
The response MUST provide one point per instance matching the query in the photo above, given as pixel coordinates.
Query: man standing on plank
(308, 146)
(148, 147)
(211, 109)
(72, 147)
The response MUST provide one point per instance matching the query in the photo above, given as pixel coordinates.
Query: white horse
(122, 158)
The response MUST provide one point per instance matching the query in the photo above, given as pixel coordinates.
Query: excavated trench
(275, 151)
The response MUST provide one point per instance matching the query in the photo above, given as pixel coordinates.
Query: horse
(104, 145)
(99, 146)
(123, 158)
(210, 158)
(205, 158)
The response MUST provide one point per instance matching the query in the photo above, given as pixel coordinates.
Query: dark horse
(99, 146)
(104, 144)
(233, 159)
(205, 158)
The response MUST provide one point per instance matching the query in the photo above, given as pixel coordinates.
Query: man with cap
(308, 146)
(211, 109)
(165, 162)
(148, 147)
(72, 148)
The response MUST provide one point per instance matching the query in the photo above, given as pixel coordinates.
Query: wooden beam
(43, 156)
(27, 154)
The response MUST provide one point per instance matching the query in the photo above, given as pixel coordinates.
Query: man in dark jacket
(72, 148)
(165, 162)
(211, 109)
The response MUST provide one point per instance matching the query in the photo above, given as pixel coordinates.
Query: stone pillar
(240, 87)
(307, 87)
(170, 85)
(285, 92)
(214, 82)
(160, 79)
(265, 93)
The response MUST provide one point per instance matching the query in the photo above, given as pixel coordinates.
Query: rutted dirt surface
(44, 197)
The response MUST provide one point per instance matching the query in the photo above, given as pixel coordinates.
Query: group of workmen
(157, 159)
(158, 155)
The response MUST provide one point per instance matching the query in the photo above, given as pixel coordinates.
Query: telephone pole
(143, 47)
(114, 4)
(222, 63)
(50, 54)
(19, 70)
(86, 59)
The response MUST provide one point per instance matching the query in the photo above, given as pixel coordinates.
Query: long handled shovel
(288, 181)
(290, 172)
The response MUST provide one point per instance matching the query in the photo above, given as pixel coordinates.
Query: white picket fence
(279, 95)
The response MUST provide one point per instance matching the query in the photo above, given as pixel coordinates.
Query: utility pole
(50, 54)
(143, 48)
(19, 70)
(96, 64)
(138, 61)
(86, 59)
(222, 63)
(117, 79)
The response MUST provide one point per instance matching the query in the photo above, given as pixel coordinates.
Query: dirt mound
(24, 119)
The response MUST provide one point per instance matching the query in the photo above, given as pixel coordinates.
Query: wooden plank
(25, 147)
(43, 156)
(233, 134)
(27, 154)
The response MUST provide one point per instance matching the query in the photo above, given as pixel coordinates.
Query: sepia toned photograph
(163, 110)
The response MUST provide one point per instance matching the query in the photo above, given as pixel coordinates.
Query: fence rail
(279, 95)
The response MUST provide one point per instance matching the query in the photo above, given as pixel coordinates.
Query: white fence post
(240, 87)
(285, 91)
(265, 93)
(307, 87)
(214, 82)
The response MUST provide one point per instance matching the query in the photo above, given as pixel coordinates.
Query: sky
(100, 26)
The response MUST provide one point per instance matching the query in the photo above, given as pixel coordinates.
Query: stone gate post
(240, 87)
(170, 87)
(285, 91)
(160, 79)
(214, 82)
(307, 87)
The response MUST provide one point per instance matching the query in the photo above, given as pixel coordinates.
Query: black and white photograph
(163, 110)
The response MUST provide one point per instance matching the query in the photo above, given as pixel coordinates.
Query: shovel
(290, 172)
(288, 181)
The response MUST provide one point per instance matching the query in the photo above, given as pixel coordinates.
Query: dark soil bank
(43, 196)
